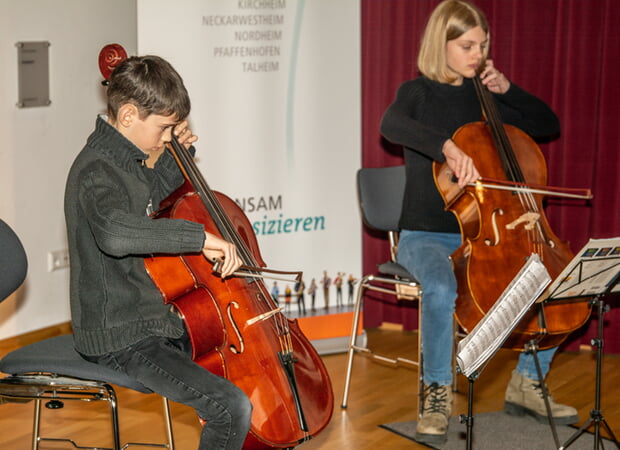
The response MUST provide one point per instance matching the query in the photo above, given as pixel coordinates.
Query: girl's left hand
(493, 79)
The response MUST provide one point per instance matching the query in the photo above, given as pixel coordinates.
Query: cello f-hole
(232, 347)
(487, 241)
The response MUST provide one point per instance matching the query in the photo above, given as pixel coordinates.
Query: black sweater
(114, 302)
(424, 115)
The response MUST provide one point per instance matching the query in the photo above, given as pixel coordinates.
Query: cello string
(507, 151)
(511, 167)
(502, 143)
(228, 232)
(226, 228)
(213, 205)
(275, 321)
(490, 120)
(509, 160)
(278, 322)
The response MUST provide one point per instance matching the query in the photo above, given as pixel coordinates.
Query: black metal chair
(13, 261)
(52, 371)
(380, 192)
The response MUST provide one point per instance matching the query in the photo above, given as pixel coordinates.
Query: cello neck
(500, 138)
(221, 219)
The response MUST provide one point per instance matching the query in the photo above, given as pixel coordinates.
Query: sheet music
(591, 271)
(491, 332)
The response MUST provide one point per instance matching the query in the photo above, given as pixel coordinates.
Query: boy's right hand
(216, 248)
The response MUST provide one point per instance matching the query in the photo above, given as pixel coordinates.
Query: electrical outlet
(58, 259)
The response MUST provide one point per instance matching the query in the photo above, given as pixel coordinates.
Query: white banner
(275, 89)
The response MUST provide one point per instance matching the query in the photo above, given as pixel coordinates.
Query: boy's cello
(236, 328)
(502, 223)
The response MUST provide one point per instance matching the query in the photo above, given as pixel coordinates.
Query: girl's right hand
(460, 163)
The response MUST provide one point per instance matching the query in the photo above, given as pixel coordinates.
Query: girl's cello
(502, 223)
(236, 328)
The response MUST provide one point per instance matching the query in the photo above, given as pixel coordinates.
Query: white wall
(38, 144)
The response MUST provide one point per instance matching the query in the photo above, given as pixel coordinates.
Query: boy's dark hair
(151, 84)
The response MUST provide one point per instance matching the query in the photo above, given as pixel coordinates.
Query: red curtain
(566, 52)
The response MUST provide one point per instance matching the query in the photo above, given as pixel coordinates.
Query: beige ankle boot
(432, 428)
(525, 396)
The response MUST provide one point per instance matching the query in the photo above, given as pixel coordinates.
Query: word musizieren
(289, 225)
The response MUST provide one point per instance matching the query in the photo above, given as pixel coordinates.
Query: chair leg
(455, 346)
(88, 391)
(354, 327)
(420, 362)
(168, 420)
(36, 424)
(112, 401)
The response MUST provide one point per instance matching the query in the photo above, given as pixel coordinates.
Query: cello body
(500, 230)
(290, 392)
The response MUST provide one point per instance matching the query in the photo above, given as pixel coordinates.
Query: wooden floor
(379, 394)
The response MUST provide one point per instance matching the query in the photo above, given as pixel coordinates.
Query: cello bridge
(530, 219)
(264, 316)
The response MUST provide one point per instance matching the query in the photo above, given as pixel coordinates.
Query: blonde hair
(449, 20)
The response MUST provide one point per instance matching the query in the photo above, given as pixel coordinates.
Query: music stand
(593, 274)
(477, 348)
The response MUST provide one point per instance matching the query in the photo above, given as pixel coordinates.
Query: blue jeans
(425, 254)
(165, 366)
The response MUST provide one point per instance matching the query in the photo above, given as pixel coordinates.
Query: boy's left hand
(184, 134)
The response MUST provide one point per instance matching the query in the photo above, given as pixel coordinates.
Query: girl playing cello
(423, 117)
